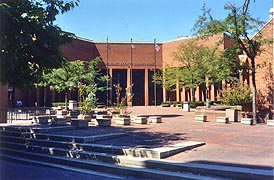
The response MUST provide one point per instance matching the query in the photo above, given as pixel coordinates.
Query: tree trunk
(193, 94)
(254, 91)
(66, 99)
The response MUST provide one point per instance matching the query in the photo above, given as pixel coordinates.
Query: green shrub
(196, 103)
(56, 104)
(240, 95)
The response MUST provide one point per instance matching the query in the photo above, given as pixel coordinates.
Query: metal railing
(24, 113)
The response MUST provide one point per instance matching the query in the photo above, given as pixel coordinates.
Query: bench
(139, 120)
(155, 119)
(222, 119)
(246, 121)
(200, 118)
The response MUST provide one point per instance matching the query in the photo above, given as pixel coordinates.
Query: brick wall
(118, 53)
(265, 68)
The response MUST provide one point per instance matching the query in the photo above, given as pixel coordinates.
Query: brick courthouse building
(118, 56)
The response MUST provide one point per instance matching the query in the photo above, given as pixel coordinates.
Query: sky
(144, 20)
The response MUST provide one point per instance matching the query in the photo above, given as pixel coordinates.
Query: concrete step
(36, 129)
(63, 138)
(213, 170)
(97, 156)
(61, 166)
(156, 153)
(170, 166)
(101, 166)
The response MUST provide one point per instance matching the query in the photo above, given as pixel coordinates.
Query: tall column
(110, 84)
(128, 77)
(164, 89)
(212, 93)
(197, 94)
(164, 94)
(146, 88)
(177, 91)
(183, 94)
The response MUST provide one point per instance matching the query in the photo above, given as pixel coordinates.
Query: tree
(66, 78)
(30, 40)
(91, 82)
(238, 25)
(166, 78)
(192, 71)
(220, 66)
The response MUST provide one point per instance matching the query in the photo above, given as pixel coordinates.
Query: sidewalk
(228, 144)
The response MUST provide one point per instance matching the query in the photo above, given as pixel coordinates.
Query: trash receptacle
(186, 106)
(72, 104)
(208, 103)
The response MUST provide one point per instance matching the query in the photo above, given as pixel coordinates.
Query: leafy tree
(30, 40)
(192, 71)
(166, 78)
(66, 78)
(238, 25)
(91, 82)
(220, 66)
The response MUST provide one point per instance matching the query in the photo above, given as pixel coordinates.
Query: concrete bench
(155, 119)
(200, 118)
(222, 119)
(40, 119)
(270, 122)
(122, 120)
(103, 120)
(79, 123)
(246, 121)
(59, 121)
(139, 120)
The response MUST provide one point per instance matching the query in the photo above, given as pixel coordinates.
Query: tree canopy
(239, 25)
(30, 40)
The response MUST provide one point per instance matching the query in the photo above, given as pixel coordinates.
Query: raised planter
(74, 113)
(155, 119)
(232, 115)
(103, 120)
(79, 123)
(122, 120)
(84, 117)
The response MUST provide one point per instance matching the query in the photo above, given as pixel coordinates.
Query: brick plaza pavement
(231, 143)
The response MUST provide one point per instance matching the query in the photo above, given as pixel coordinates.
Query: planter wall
(232, 115)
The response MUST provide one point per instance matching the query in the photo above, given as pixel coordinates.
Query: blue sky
(144, 20)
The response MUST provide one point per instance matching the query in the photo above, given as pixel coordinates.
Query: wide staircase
(87, 155)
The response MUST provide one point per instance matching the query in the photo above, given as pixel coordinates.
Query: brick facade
(265, 68)
(119, 57)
